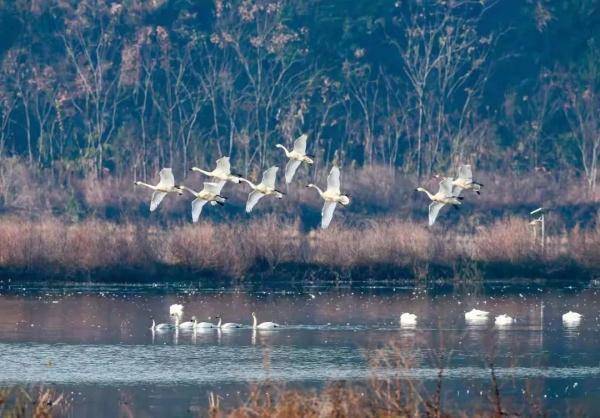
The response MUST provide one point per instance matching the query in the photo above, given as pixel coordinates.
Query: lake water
(93, 342)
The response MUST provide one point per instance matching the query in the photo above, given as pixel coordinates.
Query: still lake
(94, 342)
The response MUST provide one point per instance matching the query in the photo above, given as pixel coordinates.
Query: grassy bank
(271, 247)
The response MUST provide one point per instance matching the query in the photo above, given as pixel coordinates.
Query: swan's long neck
(317, 188)
(249, 182)
(141, 183)
(219, 324)
(188, 189)
(287, 153)
(254, 321)
(207, 173)
(426, 192)
(153, 325)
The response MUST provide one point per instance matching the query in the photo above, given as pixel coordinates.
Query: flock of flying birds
(448, 193)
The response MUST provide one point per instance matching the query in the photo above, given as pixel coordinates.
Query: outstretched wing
(300, 144)
(268, 178)
(290, 170)
(197, 205)
(253, 199)
(157, 197)
(434, 209)
(223, 165)
(333, 180)
(327, 214)
(456, 191)
(166, 178)
(446, 186)
(213, 188)
(464, 172)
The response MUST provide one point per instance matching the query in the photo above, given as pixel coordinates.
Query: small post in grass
(538, 215)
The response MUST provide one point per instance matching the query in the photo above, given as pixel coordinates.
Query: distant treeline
(121, 88)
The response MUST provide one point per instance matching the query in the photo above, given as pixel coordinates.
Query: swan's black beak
(191, 169)
(279, 191)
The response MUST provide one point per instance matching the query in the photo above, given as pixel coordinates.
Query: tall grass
(52, 246)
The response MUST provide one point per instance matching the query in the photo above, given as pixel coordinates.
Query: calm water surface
(94, 342)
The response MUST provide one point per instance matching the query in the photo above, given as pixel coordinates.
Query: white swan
(464, 181)
(296, 157)
(263, 325)
(204, 325)
(188, 324)
(160, 327)
(476, 315)
(265, 188)
(503, 320)
(444, 196)
(571, 317)
(222, 172)
(176, 310)
(210, 193)
(165, 186)
(408, 319)
(332, 196)
(227, 325)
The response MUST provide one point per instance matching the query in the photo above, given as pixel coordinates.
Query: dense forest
(117, 89)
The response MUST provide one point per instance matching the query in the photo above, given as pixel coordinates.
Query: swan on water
(296, 157)
(444, 196)
(265, 188)
(571, 317)
(188, 324)
(222, 172)
(408, 319)
(503, 320)
(204, 325)
(227, 325)
(332, 196)
(476, 315)
(263, 325)
(165, 186)
(210, 193)
(160, 327)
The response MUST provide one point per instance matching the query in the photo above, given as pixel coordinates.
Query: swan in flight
(503, 320)
(296, 157)
(332, 196)
(262, 325)
(265, 188)
(188, 324)
(160, 327)
(465, 181)
(444, 196)
(222, 172)
(176, 310)
(476, 315)
(408, 319)
(165, 186)
(227, 325)
(210, 193)
(571, 317)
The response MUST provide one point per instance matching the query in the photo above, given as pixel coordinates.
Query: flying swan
(332, 196)
(444, 196)
(165, 186)
(222, 172)
(265, 188)
(296, 157)
(210, 193)
(263, 325)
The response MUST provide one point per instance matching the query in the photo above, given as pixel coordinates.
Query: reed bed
(52, 246)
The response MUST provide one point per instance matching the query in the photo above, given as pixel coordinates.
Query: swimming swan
(296, 157)
(571, 317)
(165, 186)
(503, 320)
(263, 325)
(204, 325)
(210, 193)
(227, 325)
(444, 196)
(408, 319)
(265, 188)
(160, 327)
(332, 196)
(476, 315)
(222, 172)
(176, 310)
(188, 324)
